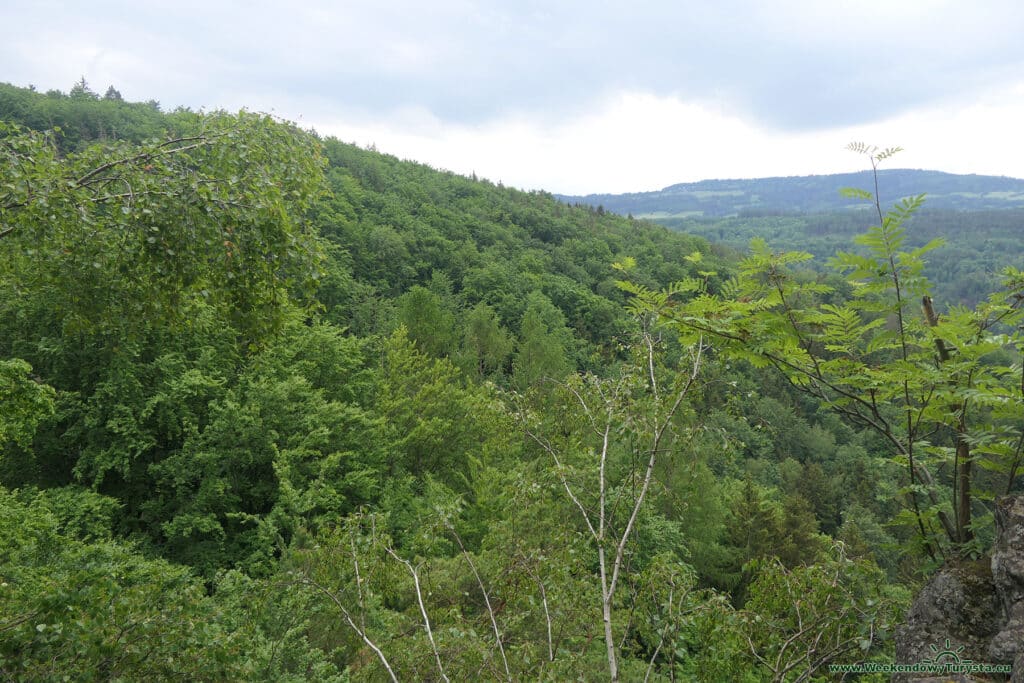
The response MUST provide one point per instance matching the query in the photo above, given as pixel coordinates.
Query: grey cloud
(784, 65)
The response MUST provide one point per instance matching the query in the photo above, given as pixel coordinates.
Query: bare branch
(547, 616)
(423, 609)
(650, 362)
(18, 621)
(487, 599)
(565, 482)
(359, 583)
(352, 624)
(583, 403)
(661, 641)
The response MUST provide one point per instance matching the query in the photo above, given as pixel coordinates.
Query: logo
(946, 660)
(946, 656)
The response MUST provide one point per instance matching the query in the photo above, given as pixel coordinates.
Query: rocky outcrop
(1008, 577)
(972, 611)
(956, 612)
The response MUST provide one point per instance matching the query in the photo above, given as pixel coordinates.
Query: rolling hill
(810, 194)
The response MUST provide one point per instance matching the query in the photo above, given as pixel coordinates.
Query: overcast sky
(571, 97)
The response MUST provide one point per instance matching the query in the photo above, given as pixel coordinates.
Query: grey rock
(1008, 578)
(959, 605)
(975, 606)
(1007, 644)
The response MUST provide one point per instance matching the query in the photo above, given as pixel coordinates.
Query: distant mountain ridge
(811, 194)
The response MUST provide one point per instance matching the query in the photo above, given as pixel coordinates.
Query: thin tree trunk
(962, 475)
(963, 453)
(606, 614)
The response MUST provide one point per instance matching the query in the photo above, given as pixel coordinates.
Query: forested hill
(395, 225)
(811, 194)
(277, 408)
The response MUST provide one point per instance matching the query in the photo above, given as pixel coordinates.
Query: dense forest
(276, 407)
(978, 245)
(812, 194)
(980, 218)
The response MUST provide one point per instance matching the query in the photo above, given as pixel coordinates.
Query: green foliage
(289, 445)
(759, 528)
(342, 484)
(79, 513)
(978, 243)
(486, 346)
(872, 358)
(98, 611)
(25, 402)
(797, 621)
(434, 425)
(120, 236)
(76, 604)
(400, 224)
(83, 118)
(428, 321)
(544, 342)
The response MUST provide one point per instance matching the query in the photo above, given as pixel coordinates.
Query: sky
(569, 97)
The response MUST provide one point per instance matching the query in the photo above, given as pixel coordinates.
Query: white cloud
(637, 142)
(569, 96)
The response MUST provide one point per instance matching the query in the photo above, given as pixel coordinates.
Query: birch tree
(606, 455)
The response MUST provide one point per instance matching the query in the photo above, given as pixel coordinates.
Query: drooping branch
(97, 176)
(868, 414)
(361, 632)
(161, 151)
(487, 598)
(423, 610)
(565, 482)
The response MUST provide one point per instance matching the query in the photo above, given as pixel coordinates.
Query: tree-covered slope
(977, 244)
(403, 224)
(82, 115)
(811, 194)
(279, 408)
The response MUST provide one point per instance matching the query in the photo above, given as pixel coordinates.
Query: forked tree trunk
(962, 473)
